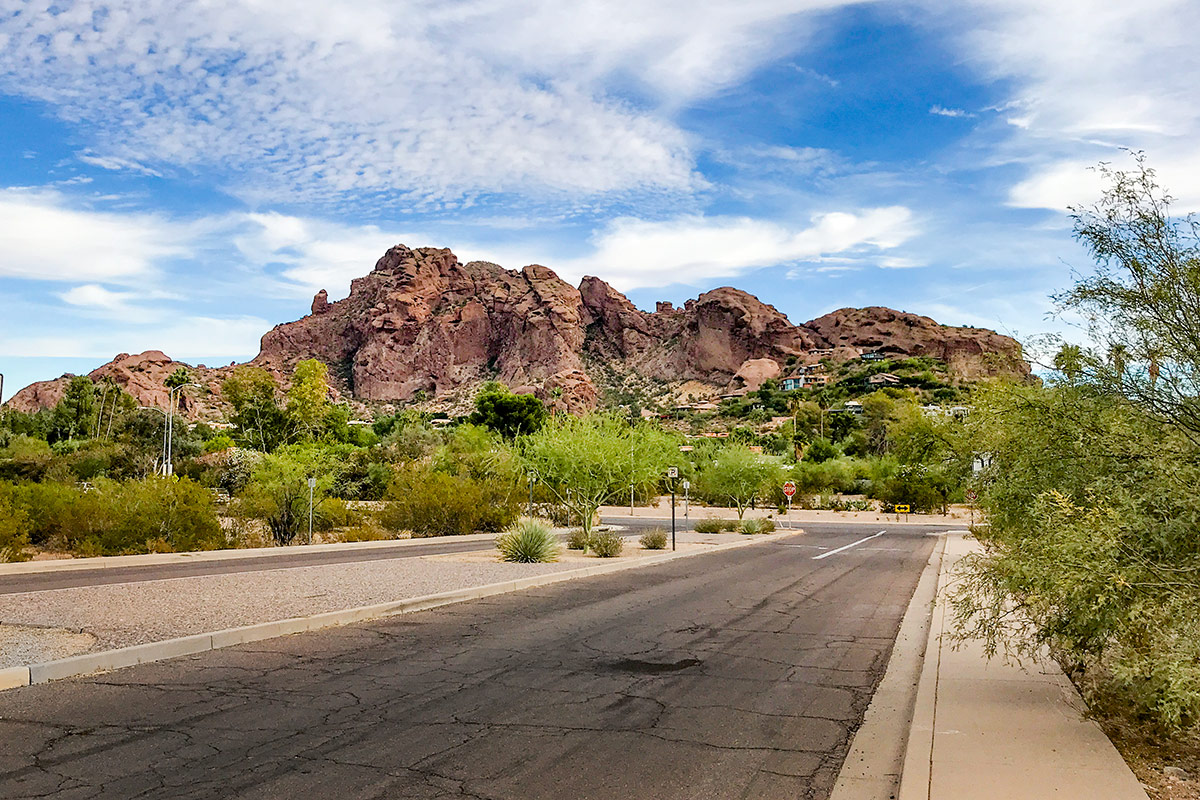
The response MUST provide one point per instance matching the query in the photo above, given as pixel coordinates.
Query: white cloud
(115, 164)
(633, 253)
(46, 239)
(1089, 76)
(316, 254)
(424, 101)
(942, 111)
(95, 296)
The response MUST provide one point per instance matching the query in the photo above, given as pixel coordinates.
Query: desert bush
(768, 525)
(607, 544)
(577, 539)
(431, 503)
(14, 537)
(730, 525)
(365, 531)
(752, 526)
(654, 539)
(334, 513)
(529, 541)
(708, 526)
(121, 517)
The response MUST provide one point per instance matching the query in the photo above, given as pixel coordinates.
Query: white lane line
(848, 546)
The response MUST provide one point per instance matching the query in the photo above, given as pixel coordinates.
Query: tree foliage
(739, 476)
(591, 460)
(1090, 482)
(506, 413)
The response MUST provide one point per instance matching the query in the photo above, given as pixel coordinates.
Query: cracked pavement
(739, 674)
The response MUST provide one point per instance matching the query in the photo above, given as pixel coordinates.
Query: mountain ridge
(423, 325)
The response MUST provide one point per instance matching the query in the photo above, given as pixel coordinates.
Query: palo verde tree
(591, 460)
(740, 476)
(260, 423)
(308, 396)
(1089, 487)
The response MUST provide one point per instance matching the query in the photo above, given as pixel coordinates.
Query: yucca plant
(529, 541)
(753, 526)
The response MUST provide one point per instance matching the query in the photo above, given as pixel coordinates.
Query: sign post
(533, 478)
(789, 489)
(312, 484)
(972, 496)
(672, 475)
(686, 486)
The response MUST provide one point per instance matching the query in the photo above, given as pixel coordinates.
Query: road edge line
(109, 660)
(877, 758)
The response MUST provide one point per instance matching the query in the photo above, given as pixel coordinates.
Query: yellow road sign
(902, 509)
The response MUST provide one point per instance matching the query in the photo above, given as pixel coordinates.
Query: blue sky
(183, 176)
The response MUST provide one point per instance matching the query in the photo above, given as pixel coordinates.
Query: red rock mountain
(424, 324)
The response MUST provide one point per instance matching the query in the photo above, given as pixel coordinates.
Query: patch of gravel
(21, 644)
(120, 615)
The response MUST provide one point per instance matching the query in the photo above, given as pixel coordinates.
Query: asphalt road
(737, 674)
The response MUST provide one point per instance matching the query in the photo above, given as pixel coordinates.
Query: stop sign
(789, 488)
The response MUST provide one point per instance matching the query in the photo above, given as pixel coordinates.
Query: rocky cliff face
(143, 376)
(424, 324)
(969, 352)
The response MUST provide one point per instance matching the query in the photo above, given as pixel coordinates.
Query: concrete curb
(917, 771)
(872, 769)
(107, 660)
(155, 559)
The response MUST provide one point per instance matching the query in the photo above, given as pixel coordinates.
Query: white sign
(687, 484)
(312, 483)
(672, 472)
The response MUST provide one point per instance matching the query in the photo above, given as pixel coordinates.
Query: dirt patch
(31, 644)
(1168, 768)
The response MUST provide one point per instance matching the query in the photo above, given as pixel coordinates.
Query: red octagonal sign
(789, 488)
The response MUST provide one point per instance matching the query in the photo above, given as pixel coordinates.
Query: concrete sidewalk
(984, 729)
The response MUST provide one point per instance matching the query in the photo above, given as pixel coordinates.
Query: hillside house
(884, 379)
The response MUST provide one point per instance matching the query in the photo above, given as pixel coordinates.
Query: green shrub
(768, 525)
(730, 525)
(577, 539)
(654, 539)
(121, 517)
(334, 513)
(752, 526)
(530, 541)
(13, 535)
(607, 544)
(708, 526)
(431, 503)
